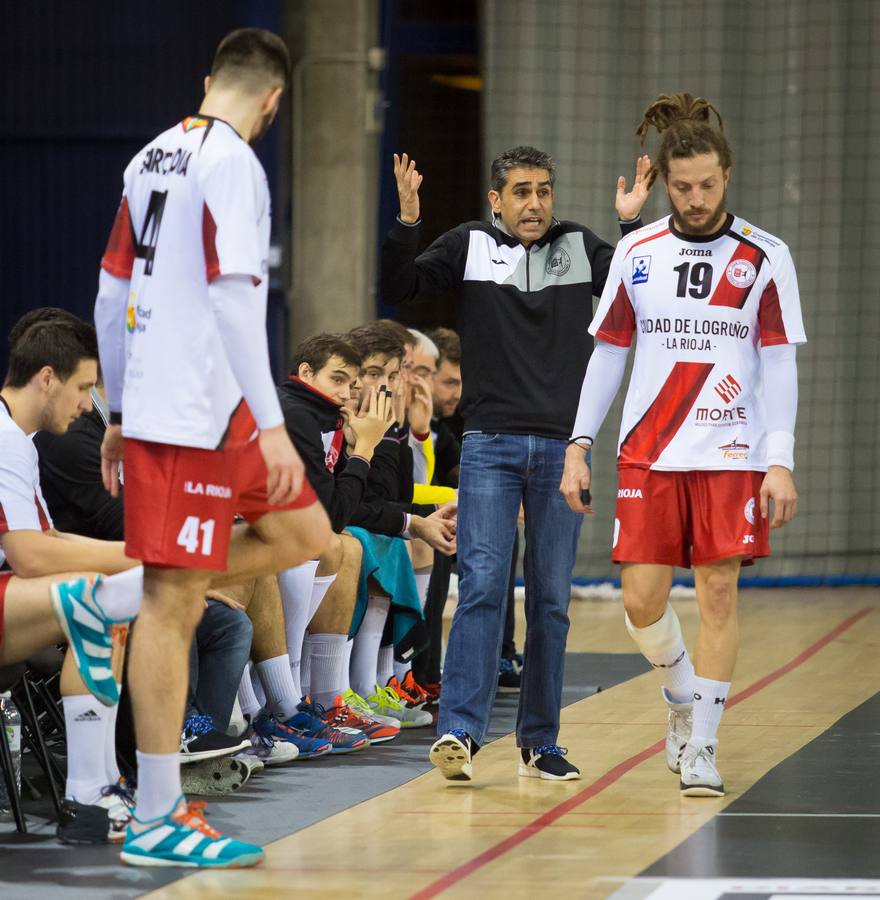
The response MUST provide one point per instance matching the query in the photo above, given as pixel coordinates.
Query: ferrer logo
(728, 388)
(734, 450)
(629, 494)
(741, 273)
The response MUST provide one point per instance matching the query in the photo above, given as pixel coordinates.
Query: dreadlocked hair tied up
(684, 123)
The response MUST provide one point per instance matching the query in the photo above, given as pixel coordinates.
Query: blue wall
(85, 83)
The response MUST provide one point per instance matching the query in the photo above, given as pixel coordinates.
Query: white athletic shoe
(679, 722)
(699, 774)
(268, 751)
(451, 754)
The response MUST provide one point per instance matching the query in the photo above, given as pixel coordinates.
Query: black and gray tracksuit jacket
(523, 316)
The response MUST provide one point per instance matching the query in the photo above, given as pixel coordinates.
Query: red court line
(444, 882)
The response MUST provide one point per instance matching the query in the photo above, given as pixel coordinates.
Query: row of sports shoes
(216, 763)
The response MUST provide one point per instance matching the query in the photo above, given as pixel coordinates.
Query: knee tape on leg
(663, 635)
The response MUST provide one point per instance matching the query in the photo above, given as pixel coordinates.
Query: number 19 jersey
(701, 306)
(195, 206)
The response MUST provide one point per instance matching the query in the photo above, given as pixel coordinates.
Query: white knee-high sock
(296, 594)
(120, 595)
(247, 699)
(365, 652)
(158, 785)
(85, 723)
(423, 579)
(281, 698)
(663, 646)
(385, 665)
(328, 657)
(709, 699)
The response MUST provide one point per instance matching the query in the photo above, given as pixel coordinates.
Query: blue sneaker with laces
(184, 838)
(201, 740)
(548, 762)
(451, 753)
(311, 721)
(88, 632)
(509, 677)
(268, 726)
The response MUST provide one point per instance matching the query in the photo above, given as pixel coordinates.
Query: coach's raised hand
(408, 182)
(629, 204)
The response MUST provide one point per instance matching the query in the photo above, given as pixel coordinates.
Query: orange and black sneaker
(414, 689)
(344, 718)
(412, 701)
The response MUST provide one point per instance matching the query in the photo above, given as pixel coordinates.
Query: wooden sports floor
(799, 752)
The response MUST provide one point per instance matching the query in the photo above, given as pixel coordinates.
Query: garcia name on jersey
(701, 307)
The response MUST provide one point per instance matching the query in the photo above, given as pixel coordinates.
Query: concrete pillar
(335, 126)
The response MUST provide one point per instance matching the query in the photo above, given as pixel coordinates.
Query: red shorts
(4, 583)
(689, 518)
(180, 501)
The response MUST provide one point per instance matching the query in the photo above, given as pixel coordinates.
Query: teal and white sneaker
(88, 629)
(184, 838)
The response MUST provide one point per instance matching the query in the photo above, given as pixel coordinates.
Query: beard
(686, 225)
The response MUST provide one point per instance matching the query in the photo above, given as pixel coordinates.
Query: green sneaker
(360, 707)
(386, 702)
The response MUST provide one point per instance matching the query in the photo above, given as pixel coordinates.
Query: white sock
(85, 722)
(423, 579)
(158, 781)
(247, 699)
(365, 652)
(662, 645)
(110, 762)
(320, 586)
(305, 669)
(385, 665)
(296, 597)
(120, 595)
(327, 658)
(401, 670)
(257, 686)
(281, 698)
(709, 699)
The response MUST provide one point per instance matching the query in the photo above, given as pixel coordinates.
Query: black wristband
(115, 418)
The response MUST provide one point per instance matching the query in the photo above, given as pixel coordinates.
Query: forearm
(779, 370)
(601, 383)
(110, 311)
(241, 321)
(38, 554)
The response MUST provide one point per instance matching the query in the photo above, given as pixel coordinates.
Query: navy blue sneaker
(269, 727)
(200, 740)
(548, 762)
(509, 678)
(311, 720)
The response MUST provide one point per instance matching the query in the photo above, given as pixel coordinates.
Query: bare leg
(158, 670)
(334, 614)
(645, 591)
(718, 640)
(267, 616)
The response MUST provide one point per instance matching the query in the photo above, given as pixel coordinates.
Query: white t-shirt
(195, 206)
(22, 507)
(701, 307)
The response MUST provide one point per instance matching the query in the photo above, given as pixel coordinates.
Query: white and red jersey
(702, 306)
(22, 507)
(195, 206)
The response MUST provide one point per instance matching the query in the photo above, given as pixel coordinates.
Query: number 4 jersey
(701, 307)
(195, 206)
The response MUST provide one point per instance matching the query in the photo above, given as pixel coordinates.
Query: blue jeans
(220, 650)
(498, 472)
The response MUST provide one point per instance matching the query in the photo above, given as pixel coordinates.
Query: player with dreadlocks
(706, 445)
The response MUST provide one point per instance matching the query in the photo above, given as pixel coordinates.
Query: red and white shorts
(180, 501)
(689, 518)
